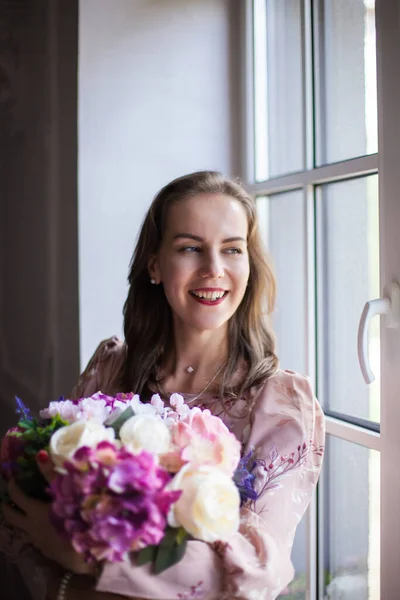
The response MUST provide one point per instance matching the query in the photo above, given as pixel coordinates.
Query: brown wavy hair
(148, 316)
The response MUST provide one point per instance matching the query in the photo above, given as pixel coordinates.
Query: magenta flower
(111, 502)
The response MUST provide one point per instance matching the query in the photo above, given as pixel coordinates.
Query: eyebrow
(197, 238)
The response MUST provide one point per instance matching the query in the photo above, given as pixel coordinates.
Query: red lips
(208, 301)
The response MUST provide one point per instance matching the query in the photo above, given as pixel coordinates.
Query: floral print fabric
(283, 426)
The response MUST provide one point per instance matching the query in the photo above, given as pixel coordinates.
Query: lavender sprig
(22, 410)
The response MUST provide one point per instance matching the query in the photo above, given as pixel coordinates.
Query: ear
(154, 269)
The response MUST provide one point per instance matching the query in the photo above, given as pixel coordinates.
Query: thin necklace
(207, 386)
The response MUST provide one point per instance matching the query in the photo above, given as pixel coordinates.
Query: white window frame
(387, 442)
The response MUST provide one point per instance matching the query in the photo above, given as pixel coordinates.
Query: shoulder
(103, 369)
(108, 349)
(108, 353)
(287, 399)
(286, 387)
(108, 360)
(295, 385)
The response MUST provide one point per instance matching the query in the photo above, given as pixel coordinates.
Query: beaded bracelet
(62, 590)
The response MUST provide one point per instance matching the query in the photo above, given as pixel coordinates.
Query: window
(313, 167)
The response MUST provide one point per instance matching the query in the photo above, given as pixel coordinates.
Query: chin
(206, 324)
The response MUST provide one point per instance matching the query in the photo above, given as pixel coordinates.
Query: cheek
(177, 272)
(175, 275)
(173, 270)
(242, 276)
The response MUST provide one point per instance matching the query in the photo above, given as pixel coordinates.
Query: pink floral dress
(285, 427)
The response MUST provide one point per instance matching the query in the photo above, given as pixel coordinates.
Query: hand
(36, 523)
(46, 465)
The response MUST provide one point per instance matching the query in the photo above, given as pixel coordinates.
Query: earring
(153, 281)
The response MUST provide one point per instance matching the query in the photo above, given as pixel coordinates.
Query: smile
(209, 296)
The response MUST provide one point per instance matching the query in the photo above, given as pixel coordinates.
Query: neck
(205, 352)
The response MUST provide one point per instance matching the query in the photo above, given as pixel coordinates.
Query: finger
(19, 498)
(46, 465)
(14, 517)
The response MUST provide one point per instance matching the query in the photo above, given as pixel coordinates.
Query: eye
(190, 249)
(233, 251)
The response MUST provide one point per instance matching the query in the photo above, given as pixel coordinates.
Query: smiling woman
(196, 323)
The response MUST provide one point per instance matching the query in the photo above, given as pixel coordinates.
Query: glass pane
(286, 243)
(348, 276)
(346, 79)
(278, 88)
(351, 531)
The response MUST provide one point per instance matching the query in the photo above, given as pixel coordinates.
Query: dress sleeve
(24, 570)
(287, 437)
(102, 371)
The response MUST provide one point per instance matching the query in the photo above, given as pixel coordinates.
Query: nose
(212, 266)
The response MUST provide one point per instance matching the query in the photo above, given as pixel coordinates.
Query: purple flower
(244, 478)
(22, 410)
(111, 502)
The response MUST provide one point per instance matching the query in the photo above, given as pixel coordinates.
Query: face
(203, 261)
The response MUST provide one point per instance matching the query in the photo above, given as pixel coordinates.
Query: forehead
(209, 216)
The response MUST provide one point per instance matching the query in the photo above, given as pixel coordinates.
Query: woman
(195, 322)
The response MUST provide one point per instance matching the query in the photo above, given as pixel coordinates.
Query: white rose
(209, 505)
(145, 432)
(65, 441)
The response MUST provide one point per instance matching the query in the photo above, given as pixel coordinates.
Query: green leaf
(171, 549)
(26, 424)
(146, 555)
(127, 414)
(35, 437)
(16, 434)
(182, 535)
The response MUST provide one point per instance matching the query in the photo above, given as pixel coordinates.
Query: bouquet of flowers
(132, 477)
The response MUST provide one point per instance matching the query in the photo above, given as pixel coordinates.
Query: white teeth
(209, 295)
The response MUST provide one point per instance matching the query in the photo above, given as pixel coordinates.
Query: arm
(24, 571)
(80, 587)
(287, 431)
(288, 435)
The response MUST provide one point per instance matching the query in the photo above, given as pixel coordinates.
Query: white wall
(157, 94)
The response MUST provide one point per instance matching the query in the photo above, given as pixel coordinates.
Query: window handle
(389, 306)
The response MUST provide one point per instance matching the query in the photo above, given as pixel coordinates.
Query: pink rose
(12, 447)
(204, 439)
